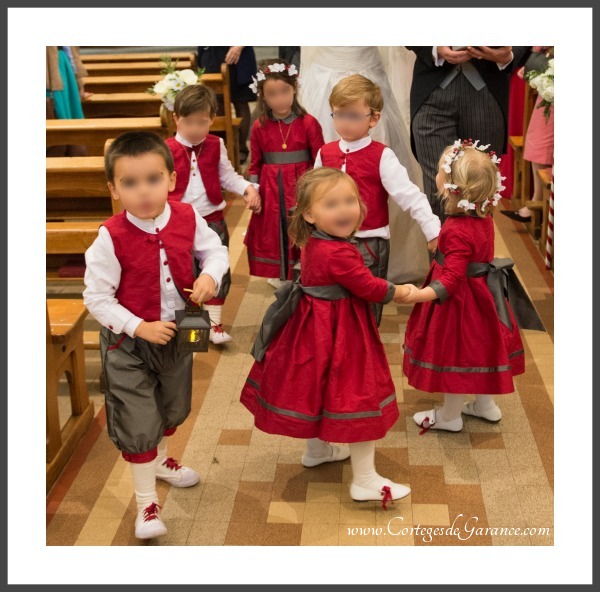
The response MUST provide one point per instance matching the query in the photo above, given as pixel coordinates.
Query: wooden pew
(133, 57)
(131, 68)
(65, 355)
(138, 84)
(546, 177)
(121, 105)
(70, 238)
(76, 188)
(93, 133)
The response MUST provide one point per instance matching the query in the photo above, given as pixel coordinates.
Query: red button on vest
(168, 279)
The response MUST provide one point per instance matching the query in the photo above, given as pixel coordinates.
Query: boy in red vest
(356, 103)
(136, 271)
(202, 168)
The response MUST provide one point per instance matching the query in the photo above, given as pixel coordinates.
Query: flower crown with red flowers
(290, 69)
(458, 151)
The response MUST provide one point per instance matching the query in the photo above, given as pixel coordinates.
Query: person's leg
(242, 109)
(318, 452)
(448, 417)
(367, 484)
(376, 254)
(538, 188)
(435, 126)
(484, 406)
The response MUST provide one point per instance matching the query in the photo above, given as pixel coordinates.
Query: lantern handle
(190, 300)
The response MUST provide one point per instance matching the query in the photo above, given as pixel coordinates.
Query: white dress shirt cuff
(437, 61)
(131, 325)
(502, 66)
(431, 229)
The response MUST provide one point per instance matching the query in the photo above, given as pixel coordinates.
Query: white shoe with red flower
(148, 524)
(218, 336)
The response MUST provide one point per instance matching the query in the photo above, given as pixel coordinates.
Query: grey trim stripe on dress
(471, 369)
(358, 415)
(286, 157)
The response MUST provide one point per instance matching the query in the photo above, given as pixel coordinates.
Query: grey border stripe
(476, 369)
(358, 415)
(273, 261)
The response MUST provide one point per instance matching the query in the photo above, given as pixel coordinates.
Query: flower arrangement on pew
(174, 81)
(543, 82)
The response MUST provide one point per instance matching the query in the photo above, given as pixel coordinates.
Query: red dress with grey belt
(325, 373)
(270, 253)
(458, 344)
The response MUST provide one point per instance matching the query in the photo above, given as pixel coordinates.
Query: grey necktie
(471, 74)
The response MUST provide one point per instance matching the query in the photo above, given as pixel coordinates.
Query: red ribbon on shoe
(151, 512)
(172, 464)
(387, 496)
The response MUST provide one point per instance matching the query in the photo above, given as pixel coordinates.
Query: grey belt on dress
(504, 284)
(287, 298)
(286, 157)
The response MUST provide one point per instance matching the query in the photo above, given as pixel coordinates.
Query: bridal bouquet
(173, 82)
(543, 82)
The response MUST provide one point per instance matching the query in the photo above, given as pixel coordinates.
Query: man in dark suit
(459, 92)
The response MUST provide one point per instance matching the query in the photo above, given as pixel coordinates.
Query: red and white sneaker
(148, 524)
(174, 474)
(218, 336)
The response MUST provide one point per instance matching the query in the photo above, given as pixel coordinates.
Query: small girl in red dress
(284, 142)
(462, 337)
(321, 372)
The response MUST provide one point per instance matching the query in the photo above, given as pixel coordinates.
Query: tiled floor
(254, 491)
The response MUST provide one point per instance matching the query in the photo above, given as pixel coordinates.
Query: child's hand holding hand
(252, 199)
(402, 293)
(204, 289)
(160, 332)
(432, 245)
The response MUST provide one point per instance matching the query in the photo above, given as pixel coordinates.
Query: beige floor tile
(430, 514)
(207, 533)
(424, 456)
(359, 513)
(100, 528)
(530, 476)
(495, 457)
(319, 534)
(510, 540)
(324, 492)
(93, 543)
(322, 513)
(286, 512)
(110, 507)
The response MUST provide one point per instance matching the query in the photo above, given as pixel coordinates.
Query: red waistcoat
(208, 163)
(138, 253)
(363, 166)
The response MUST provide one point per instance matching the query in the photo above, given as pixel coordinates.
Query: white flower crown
(455, 154)
(261, 74)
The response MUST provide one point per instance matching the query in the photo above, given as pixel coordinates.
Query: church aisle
(254, 491)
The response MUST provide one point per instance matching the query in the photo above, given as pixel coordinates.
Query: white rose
(277, 67)
(548, 94)
(188, 76)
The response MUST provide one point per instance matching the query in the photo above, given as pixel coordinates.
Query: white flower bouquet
(173, 82)
(543, 82)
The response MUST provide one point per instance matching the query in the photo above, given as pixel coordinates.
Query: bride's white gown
(320, 70)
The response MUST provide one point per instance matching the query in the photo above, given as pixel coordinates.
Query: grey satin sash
(504, 284)
(287, 298)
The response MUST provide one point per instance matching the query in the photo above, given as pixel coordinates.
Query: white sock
(214, 312)
(484, 402)
(452, 408)
(144, 483)
(362, 458)
(275, 282)
(161, 450)
(317, 448)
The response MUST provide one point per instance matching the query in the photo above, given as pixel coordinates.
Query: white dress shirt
(439, 61)
(399, 187)
(103, 273)
(195, 193)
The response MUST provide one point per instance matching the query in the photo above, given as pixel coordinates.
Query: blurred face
(142, 184)
(279, 96)
(335, 209)
(353, 121)
(194, 127)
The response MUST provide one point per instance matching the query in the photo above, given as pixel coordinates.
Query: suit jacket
(427, 76)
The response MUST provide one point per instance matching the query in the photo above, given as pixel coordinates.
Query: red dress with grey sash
(325, 373)
(460, 345)
(270, 253)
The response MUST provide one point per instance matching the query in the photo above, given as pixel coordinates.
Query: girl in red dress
(321, 372)
(284, 142)
(462, 337)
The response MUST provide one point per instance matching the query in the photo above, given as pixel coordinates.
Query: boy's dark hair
(195, 98)
(136, 144)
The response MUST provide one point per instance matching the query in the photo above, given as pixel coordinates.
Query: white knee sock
(452, 408)
(316, 448)
(161, 451)
(362, 458)
(144, 483)
(484, 402)
(214, 312)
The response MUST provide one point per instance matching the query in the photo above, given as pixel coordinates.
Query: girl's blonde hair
(310, 187)
(264, 110)
(476, 178)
